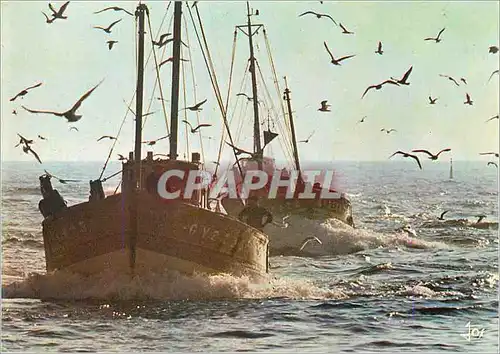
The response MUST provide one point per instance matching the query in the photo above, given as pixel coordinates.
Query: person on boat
(96, 191)
(255, 215)
(52, 201)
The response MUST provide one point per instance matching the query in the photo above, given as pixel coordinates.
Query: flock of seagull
(325, 107)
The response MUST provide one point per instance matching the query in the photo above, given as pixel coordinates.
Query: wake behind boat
(137, 231)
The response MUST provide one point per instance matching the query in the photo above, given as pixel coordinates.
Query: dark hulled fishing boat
(137, 230)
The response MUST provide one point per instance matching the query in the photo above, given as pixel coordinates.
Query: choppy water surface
(375, 292)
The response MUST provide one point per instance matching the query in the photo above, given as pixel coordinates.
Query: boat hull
(92, 237)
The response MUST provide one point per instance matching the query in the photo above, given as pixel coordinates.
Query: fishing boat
(314, 209)
(136, 231)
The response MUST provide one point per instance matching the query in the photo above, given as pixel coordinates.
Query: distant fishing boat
(138, 232)
(314, 209)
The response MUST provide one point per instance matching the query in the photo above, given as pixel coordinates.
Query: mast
(292, 128)
(136, 181)
(174, 109)
(256, 124)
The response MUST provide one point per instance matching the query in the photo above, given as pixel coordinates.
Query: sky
(70, 56)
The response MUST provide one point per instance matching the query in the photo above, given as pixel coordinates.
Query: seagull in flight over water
(431, 156)
(193, 130)
(379, 86)
(441, 217)
(405, 154)
(318, 15)
(24, 92)
(403, 80)
(309, 239)
(336, 61)
(324, 107)
(70, 114)
(437, 39)
(108, 29)
(116, 8)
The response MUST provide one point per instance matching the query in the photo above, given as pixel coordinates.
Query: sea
(377, 289)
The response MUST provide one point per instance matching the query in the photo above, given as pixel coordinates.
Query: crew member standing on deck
(255, 215)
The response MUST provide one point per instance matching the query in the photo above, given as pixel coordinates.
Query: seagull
(379, 49)
(244, 94)
(24, 92)
(152, 142)
(493, 73)
(41, 137)
(168, 60)
(432, 100)
(362, 120)
(28, 149)
(63, 181)
(108, 29)
(388, 131)
(309, 239)
(14, 112)
(318, 15)
(24, 141)
(495, 117)
(160, 42)
(70, 115)
(116, 8)
(196, 107)
(493, 49)
(336, 61)
(122, 158)
(344, 30)
(106, 137)
(405, 154)
(480, 218)
(492, 163)
(431, 156)
(193, 130)
(307, 140)
(379, 86)
(450, 78)
(489, 153)
(403, 80)
(437, 39)
(441, 217)
(59, 13)
(47, 19)
(324, 107)
(469, 102)
(111, 43)
(463, 80)
(75, 128)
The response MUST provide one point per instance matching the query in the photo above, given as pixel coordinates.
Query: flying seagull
(244, 94)
(441, 217)
(28, 149)
(310, 239)
(468, 100)
(388, 131)
(24, 92)
(437, 39)
(70, 115)
(106, 137)
(403, 80)
(63, 181)
(24, 141)
(344, 30)
(495, 117)
(362, 120)
(59, 13)
(111, 43)
(492, 163)
(324, 107)
(152, 142)
(74, 128)
(480, 218)
(379, 86)
(432, 100)
(405, 154)
(431, 156)
(489, 153)
(493, 73)
(318, 15)
(450, 78)
(493, 49)
(116, 8)
(161, 41)
(108, 29)
(196, 107)
(336, 61)
(379, 48)
(122, 158)
(41, 137)
(193, 130)
(14, 112)
(463, 80)
(307, 140)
